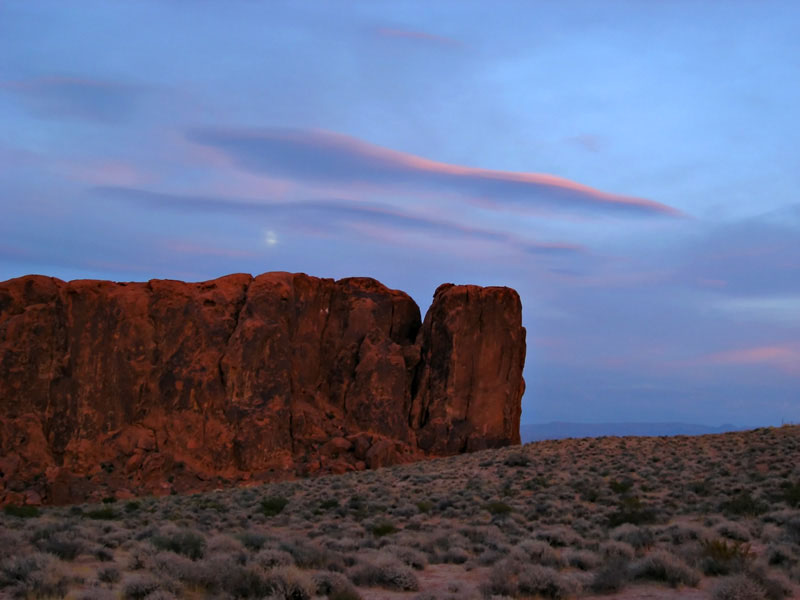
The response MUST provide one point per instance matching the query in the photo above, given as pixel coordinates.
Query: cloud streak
(321, 214)
(332, 158)
(783, 357)
(58, 97)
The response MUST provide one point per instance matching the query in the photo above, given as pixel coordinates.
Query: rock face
(132, 388)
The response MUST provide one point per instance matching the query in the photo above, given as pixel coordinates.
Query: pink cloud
(785, 357)
(333, 158)
(107, 172)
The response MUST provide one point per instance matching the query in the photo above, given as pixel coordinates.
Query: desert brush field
(714, 516)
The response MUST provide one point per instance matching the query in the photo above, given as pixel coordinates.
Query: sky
(629, 167)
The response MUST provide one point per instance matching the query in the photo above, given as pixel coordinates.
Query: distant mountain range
(557, 430)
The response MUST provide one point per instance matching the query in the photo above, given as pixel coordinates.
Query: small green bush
(105, 513)
(383, 528)
(497, 508)
(23, 512)
(273, 505)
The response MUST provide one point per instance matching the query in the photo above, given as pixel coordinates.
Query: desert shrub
(680, 533)
(744, 504)
(273, 505)
(502, 580)
(180, 567)
(455, 555)
(308, 555)
(660, 565)
(541, 553)
(631, 509)
(733, 531)
(638, 537)
(560, 537)
(181, 541)
(780, 555)
(585, 560)
(272, 557)
(382, 528)
(613, 549)
(620, 487)
(517, 459)
(384, 571)
(497, 508)
(247, 582)
(140, 557)
(547, 582)
(791, 494)
(132, 506)
(63, 544)
(792, 528)
(335, 586)
(775, 585)
(227, 545)
(94, 593)
(35, 575)
(109, 574)
(22, 512)
(252, 540)
(611, 577)
(737, 587)
(424, 506)
(11, 543)
(141, 586)
(161, 595)
(721, 557)
(700, 487)
(105, 513)
(413, 558)
(102, 553)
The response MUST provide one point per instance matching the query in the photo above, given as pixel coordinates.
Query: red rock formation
(131, 388)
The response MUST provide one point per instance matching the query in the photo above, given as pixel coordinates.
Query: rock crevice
(164, 386)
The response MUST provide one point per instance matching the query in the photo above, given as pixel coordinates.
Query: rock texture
(132, 388)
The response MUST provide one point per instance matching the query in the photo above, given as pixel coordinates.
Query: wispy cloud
(783, 357)
(778, 308)
(326, 157)
(323, 215)
(58, 97)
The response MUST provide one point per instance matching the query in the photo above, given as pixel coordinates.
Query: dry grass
(556, 519)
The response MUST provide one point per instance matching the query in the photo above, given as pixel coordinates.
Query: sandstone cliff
(132, 388)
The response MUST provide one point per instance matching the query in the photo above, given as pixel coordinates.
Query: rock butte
(125, 389)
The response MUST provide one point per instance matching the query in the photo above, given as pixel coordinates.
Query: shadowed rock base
(123, 389)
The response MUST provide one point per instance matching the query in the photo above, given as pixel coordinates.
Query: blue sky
(630, 167)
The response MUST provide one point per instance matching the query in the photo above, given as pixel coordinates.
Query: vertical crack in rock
(237, 315)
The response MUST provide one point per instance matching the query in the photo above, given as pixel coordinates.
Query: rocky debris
(133, 388)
